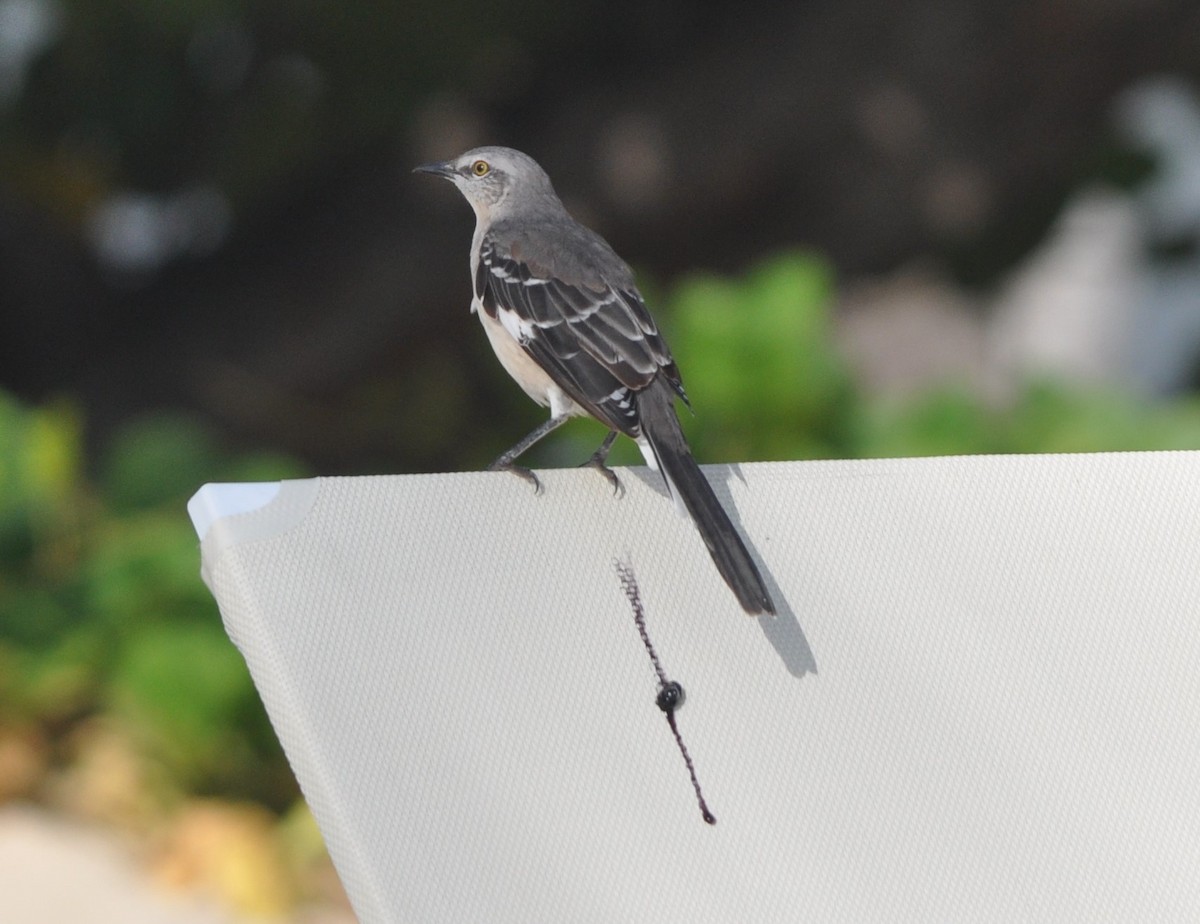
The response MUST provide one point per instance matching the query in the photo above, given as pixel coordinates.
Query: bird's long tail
(660, 426)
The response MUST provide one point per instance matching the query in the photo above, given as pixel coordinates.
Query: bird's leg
(599, 457)
(505, 462)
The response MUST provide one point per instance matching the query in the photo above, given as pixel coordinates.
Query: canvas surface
(980, 700)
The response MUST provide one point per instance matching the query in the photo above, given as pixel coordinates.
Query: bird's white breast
(528, 374)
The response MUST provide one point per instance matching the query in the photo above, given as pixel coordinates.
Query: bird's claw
(597, 463)
(520, 471)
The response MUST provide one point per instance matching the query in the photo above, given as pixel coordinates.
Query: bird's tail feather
(687, 484)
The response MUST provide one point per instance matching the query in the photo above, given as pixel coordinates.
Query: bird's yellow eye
(480, 168)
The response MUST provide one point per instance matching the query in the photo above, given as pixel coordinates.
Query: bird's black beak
(443, 168)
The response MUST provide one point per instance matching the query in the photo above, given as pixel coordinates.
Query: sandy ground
(55, 871)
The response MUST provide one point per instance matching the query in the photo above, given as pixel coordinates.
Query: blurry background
(868, 228)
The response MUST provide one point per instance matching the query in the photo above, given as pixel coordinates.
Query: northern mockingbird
(567, 322)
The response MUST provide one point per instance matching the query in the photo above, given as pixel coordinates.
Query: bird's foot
(503, 465)
(597, 462)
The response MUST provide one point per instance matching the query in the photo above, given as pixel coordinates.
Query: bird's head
(492, 178)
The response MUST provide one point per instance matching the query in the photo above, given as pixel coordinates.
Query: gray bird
(567, 322)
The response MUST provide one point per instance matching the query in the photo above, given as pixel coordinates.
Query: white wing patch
(519, 328)
(501, 273)
(622, 397)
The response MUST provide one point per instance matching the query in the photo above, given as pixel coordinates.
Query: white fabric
(980, 701)
(214, 501)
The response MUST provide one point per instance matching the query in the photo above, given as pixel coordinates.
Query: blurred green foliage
(103, 614)
(102, 611)
(770, 384)
(767, 382)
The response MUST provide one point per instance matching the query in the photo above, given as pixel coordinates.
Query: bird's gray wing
(594, 338)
